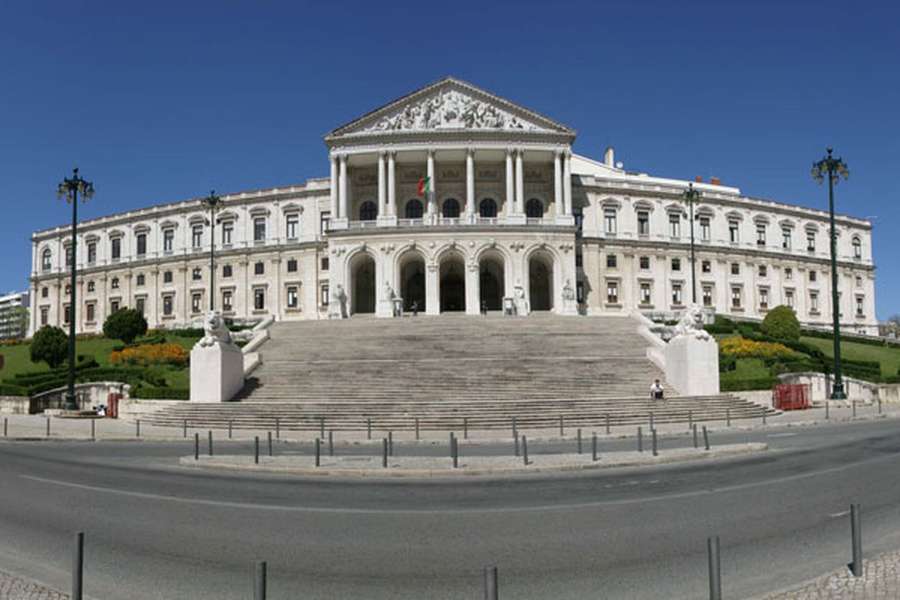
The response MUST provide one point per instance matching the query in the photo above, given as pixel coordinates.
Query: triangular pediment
(450, 105)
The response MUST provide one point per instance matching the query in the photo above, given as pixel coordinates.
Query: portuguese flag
(424, 187)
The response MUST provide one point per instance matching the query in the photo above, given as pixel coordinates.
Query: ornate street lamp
(212, 202)
(691, 195)
(833, 169)
(69, 189)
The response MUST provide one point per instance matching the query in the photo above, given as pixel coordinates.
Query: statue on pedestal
(519, 300)
(337, 303)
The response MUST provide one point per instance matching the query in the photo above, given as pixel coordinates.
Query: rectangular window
(168, 240)
(813, 302)
(259, 299)
(858, 281)
(810, 241)
(707, 295)
(168, 304)
(735, 268)
(760, 235)
(196, 236)
(227, 233)
(197, 274)
(645, 293)
(612, 292)
(676, 294)
(706, 266)
(644, 262)
(116, 248)
(611, 261)
(167, 276)
(292, 226)
(324, 263)
(114, 306)
(857, 248)
(292, 265)
(226, 301)
(812, 276)
(789, 298)
(860, 302)
(259, 229)
(139, 304)
(763, 271)
(259, 268)
(786, 238)
(674, 225)
(609, 220)
(324, 220)
(141, 244)
(196, 302)
(226, 271)
(643, 222)
(734, 231)
(45, 292)
(45, 315)
(66, 314)
(292, 300)
(89, 313)
(68, 256)
(788, 273)
(676, 264)
(763, 299)
(704, 229)
(323, 298)
(92, 252)
(141, 279)
(736, 297)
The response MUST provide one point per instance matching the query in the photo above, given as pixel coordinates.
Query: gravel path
(880, 581)
(16, 588)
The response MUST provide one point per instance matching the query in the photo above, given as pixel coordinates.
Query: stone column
(510, 186)
(391, 186)
(470, 185)
(381, 194)
(342, 193)
(473, 292)
(520, 182)
(334, 187)
(429, 200)
(557, 184)
(432, 289)
(567, 183)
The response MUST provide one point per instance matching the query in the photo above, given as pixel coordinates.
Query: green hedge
(7, 389)
(161, 393)
(748, 385)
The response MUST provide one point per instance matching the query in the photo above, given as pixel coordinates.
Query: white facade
(513, 217)
(13, 315)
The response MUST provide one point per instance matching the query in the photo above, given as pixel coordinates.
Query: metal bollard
(465, 428)
(6, 426)
(854, 409)
(259, 589)
(594, 447)
(384, 453)
(607, 424)
(640, 440)
(516, 439)
(318, 451)
(417, 428)
(879, 405)
(269, 440)
(229, 428)
(651, 421)
(491, 590)
(856, 567)
(562, 428)
(654, 442)
(330, 443)
(48, 426)
(705, 438)
(321, 427)
(78, 567)
(390, 443)
(728, 417)
(256, 450)
(690, 419)
(278, 427)
(579, 440)
(210, 443)
(454, 451)
(93, 429)
(184, 428)
(826, 410)
(137, 428)
(369, 429)
(715, 568)
(695, 435)
(764, 416)
(525, 450)
(196, 446)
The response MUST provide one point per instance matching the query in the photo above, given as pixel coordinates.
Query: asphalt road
(155, 530)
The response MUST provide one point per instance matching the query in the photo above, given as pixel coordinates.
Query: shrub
(161, 393)
(8, 389)
(727, 363)
(781, 323)
(125, 325)
(150, 354)
(49, 345)
(747, 385)
(740, 347)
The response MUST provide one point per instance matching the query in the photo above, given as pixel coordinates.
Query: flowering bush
(150, 354)
(739, 347)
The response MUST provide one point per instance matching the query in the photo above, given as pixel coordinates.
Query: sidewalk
(16, 588)
(880, 581)
(34, 427)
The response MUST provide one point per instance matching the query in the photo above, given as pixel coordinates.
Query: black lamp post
(69, 188)
(212, 202)
(833, 169)
(691, 195)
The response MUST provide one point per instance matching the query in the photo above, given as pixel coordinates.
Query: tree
(125, 325)
(50, 345)
(781, 323)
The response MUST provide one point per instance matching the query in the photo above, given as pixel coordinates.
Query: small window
(324, 263)
(168, 304)
(487, 208)
(89, 312)
(736, 297)
(141, 279)
(789, 298)
(735, 268)
(450, 209)
(168, 240)
(704, 229)
(259, 299)
(116, 248)
(226, 301)
(612, 292)
(812, 276)
(676, 264)
(323, 295)
(644, 262)
(706, 266)
(292, 226)
(114, 306)
(813, 302)
(786, 238)
(611, 261)
(114, 284)
(763, 271)
(788, 273)
(675, 225)
(763, 299)
(292, 265)
(860, 305)
(324, 222)
(259, 229)
(197, 274)
(226, 271)
(227, 233)
(45, 315)
(734, 231)
(68, 256)
(643, 222)
(858, 281)
(857, 248)
(66, 314)
(760, 234)
(609, 220)
(91, 286)
(197, 236)
(645, 293)
(414, 209)
(676, 294)
(292, 299)
(45, 292)
(810, 241)
(368, 211)
(534, 209)
(707, 295)
(141, 248)
(46, 258)
(167, 276)
(196, 302)
(259, 268)
(140, 305)
(92, 252)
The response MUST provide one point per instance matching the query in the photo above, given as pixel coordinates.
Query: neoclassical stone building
(454, 199)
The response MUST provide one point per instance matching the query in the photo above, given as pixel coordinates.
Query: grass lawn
(888, 356)
(746, 368)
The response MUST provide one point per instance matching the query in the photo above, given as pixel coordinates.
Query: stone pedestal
(692, 365)
(217, 372)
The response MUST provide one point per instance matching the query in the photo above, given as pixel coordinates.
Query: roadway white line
(777, 435)
(538, 508)
(836, 515)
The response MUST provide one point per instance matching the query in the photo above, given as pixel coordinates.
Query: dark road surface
(155, 530)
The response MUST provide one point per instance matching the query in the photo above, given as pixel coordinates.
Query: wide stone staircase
(441, 372)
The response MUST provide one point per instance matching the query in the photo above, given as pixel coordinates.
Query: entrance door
(540, 283)
(412, 284)
(453, 285)
(491, 284)
(363, 285)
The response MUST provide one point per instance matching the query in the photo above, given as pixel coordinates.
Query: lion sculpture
(214, 330)
(691, 323)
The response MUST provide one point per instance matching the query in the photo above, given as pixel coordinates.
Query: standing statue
(568, 291)
(337, 303)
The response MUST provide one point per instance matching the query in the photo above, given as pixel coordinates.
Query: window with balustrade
(705, 230)
(227, 233)
(643, 222)
(141, 244)
(259, 229)
(487, 208)
(609, 221)
(675, 225)
(414, 209)
(168, 240)
(707, 295)
(368, 211)
(734, 231)
(115, 248)
(787, 236)
(450, 208)
(292, 226)
(760, 234)
(612, 292)
(534, 209)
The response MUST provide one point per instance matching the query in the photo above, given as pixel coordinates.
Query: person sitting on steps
(656, 390)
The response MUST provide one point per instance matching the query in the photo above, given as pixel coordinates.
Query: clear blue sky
(160, 101)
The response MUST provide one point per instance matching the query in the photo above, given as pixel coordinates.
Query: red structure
(791, 396)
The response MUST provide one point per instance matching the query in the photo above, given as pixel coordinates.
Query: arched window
(488, 208)
(414, 209)
(857, 248)
(534, 209)
(450, 209)
(368, 211)
(46, 257)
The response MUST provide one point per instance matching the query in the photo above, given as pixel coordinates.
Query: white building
(513, 214)
(14, 320)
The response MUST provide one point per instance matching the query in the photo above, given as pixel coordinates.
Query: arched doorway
(450, 209)
(412, 281)
(453, 283)
(540, 281)
(487, 209)
(414, 209)
(368, 211)
(362, 269)
(534, 209)
(491, 282)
